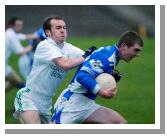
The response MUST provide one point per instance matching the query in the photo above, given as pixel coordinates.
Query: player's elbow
(65, 67)
(62, 64)
(82, 78)
(20, 54)
(79, 78)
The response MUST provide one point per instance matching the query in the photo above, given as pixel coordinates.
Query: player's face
(58, 31)
(18, 26)
(129, 53)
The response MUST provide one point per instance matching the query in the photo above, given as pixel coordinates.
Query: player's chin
(129, 59)
(62, 40)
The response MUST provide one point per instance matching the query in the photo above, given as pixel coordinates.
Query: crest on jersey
(96, 65)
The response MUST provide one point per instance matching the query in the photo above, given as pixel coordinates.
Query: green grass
(135, 99)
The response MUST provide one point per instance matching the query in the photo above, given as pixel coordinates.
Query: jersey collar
(53, 42)
(117, 53)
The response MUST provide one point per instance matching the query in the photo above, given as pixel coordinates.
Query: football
(106, 80)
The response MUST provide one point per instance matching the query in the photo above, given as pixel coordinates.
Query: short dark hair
(13, 20)
(47, 25)
(130, 38)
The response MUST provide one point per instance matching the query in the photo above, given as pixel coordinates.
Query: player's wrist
(101, 93)
(96, 89)
(106, 93)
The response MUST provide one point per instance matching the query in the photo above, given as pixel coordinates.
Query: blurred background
(89, 20)
(100, 26)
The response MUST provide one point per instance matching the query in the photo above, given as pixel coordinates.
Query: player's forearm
(25, 50)
(68, 63)
(31, 36)
(73, 62)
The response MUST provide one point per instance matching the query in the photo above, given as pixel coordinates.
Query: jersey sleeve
(75, 51)
(88, 81)
(99, 63)
(87, 74)
(47, 52)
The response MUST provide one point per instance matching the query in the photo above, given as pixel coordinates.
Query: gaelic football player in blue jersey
(76, 104)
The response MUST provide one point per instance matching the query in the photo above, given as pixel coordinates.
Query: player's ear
(123, 45)
(48, 32)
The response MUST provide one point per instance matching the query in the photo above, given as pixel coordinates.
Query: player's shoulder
(46, 45)
(10, 33)
(103, 53)
(69, 45)
(41, 45)
(111, 49)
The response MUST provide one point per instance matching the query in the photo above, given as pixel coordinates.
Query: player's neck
(60, 44)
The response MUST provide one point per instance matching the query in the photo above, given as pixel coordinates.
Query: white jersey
(45, 76)
(12, 45)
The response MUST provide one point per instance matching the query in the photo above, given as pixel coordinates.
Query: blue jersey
(102, 60)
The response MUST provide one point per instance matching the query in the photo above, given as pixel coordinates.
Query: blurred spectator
(25, 63)
(13, 39)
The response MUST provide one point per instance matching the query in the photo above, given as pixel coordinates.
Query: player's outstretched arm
(25, 50)
(68, 63)
(31, 36)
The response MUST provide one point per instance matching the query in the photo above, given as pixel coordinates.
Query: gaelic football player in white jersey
(13, 45)
(52, 59)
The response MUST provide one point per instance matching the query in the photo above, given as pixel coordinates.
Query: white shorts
(73, 111)
(26, 100)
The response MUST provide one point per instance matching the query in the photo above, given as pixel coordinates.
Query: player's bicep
(60, 61)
